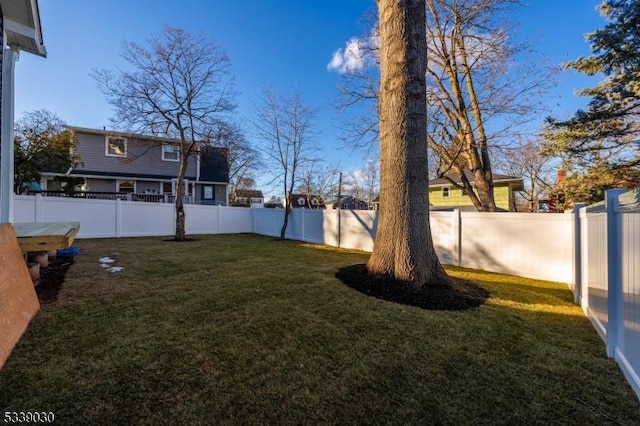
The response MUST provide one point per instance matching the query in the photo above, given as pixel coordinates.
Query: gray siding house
(145, 167)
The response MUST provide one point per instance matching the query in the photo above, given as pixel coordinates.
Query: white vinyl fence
(596, 252)
(609, 277)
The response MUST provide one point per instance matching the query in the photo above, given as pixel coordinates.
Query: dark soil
(456, 295)
(186, 240)
(52, 278)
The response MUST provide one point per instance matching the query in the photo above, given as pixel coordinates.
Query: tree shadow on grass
(456, 295)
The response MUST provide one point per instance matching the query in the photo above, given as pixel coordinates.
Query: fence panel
(97, 217)
(630, 339)
(444, 232)
(24, 208)
(358, 229)
(595, 267)
(137, 219)
(201, 219)
(308, 225)
(295, 226)
(268, 221)
(235, 220)
(528, 244)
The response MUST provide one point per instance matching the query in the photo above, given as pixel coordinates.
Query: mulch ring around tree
(52, 278)
(457, 295)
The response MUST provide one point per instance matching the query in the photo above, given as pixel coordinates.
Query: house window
(445, 192)
(127, 186)
(207, 192)
(115, 147)
(170, 152)
(167, 188)
(53, 185)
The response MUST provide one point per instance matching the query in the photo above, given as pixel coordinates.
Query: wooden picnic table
(45, 236)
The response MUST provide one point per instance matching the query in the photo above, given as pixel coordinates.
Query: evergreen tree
(605, 136)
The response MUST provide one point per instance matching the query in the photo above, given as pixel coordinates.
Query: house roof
(21, 19)
(106, 132)
(348, 200)
(249, 193)
(497, 178)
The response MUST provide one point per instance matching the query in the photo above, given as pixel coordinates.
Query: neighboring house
(144, 168)
(274, 203)
(249, 197)
(349, 202)
(443, 194)
(302, 201)
(20, 31)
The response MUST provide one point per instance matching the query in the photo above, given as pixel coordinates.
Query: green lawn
(246, 329)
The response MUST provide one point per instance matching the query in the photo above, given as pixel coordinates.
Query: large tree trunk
(404, 247)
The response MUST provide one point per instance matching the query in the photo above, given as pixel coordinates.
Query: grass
(246, 329)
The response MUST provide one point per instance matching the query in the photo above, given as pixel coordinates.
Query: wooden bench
(18, 299)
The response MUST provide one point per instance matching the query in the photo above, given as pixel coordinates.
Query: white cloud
(353, 57)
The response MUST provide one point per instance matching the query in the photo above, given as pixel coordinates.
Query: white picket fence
(597, 254)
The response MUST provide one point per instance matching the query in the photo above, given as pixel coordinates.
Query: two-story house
(442, 193)
(144, 166)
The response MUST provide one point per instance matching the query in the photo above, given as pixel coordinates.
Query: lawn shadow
(51, 279)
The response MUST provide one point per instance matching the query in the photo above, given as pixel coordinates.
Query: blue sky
(284, 44)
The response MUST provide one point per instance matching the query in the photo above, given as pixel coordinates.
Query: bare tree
(179, 87)
(529, 161)
(478, 96)
(364, 184)
(404, 248)
(318, 180)
(285, 125)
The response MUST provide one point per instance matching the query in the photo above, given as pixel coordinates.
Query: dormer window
(445, 192)
(170, 152)
(115, 146)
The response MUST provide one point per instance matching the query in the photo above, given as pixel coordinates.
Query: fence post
(614, 271)
(218, 220)
(38, 207)
(118, 217)
(457, 236)
(577, 255)
(339, 224)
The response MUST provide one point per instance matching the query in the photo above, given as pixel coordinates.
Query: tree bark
(404, 247)
(180, 234)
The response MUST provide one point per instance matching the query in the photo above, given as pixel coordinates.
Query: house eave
(122, 134)
(22, 26)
